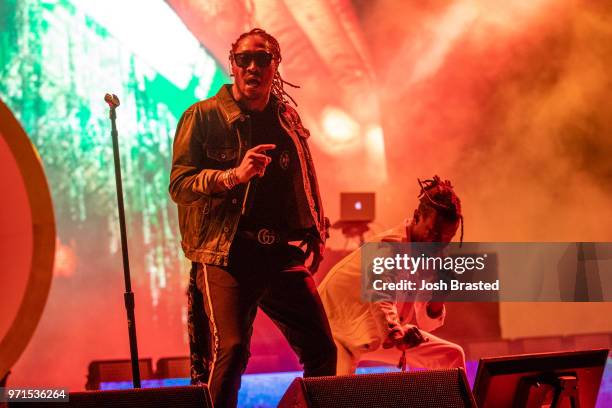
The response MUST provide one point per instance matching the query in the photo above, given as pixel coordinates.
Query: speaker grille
(435, 388)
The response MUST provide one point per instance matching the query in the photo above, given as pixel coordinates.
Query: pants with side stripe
(198, 329)
(273, 278)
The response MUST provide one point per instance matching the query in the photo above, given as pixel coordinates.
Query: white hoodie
(363, 326)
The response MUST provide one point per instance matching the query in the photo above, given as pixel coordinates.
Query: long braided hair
(278, 82)
(440, 196)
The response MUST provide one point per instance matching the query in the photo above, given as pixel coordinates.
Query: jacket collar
(229, 108)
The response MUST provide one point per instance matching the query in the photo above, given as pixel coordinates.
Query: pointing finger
(263, 147)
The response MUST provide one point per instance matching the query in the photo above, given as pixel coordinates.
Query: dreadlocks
(439, 195)
(278, 82)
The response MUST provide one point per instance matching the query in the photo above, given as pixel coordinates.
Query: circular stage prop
(27, 239)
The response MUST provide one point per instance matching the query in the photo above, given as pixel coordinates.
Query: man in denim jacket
(244, 181)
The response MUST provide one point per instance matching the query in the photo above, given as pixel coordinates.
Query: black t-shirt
(273, 193)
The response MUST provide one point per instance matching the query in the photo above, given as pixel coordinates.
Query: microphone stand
(128, 296)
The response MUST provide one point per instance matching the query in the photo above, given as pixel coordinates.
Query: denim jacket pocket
(197, 220)
(222, 154)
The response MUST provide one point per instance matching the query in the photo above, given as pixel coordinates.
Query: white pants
(433, 354)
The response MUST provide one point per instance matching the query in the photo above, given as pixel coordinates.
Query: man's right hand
(394, 338)
(412, 338)
(409, 336)
(254, 163)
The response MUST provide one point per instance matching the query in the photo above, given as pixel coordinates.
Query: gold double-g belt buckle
(267, 237)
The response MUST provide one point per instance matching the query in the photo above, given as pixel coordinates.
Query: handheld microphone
(249, 194)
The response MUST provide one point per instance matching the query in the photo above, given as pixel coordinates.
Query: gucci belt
(265, 236)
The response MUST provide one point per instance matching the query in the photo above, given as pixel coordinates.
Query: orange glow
(65, 260)
(341, 130)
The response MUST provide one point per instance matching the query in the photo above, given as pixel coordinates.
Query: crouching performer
(381, 330)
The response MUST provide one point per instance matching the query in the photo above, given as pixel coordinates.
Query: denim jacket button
(225, 229)
(234, 201)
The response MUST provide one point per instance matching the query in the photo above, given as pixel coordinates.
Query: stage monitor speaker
(164, 397)
(101, 371)
(173, 367)
(421, 389)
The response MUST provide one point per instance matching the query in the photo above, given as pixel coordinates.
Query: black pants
(275, 279)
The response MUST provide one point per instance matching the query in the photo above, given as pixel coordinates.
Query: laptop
(357, 207)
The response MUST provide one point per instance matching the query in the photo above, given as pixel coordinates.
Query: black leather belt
(264, 236)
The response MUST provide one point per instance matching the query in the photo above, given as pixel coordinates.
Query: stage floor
(265, 390)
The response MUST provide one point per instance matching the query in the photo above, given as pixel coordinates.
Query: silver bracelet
(229, 178)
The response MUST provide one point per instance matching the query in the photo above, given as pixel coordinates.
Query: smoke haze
(509, 102)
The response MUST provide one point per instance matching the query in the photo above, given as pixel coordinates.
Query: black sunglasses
(262, 59)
